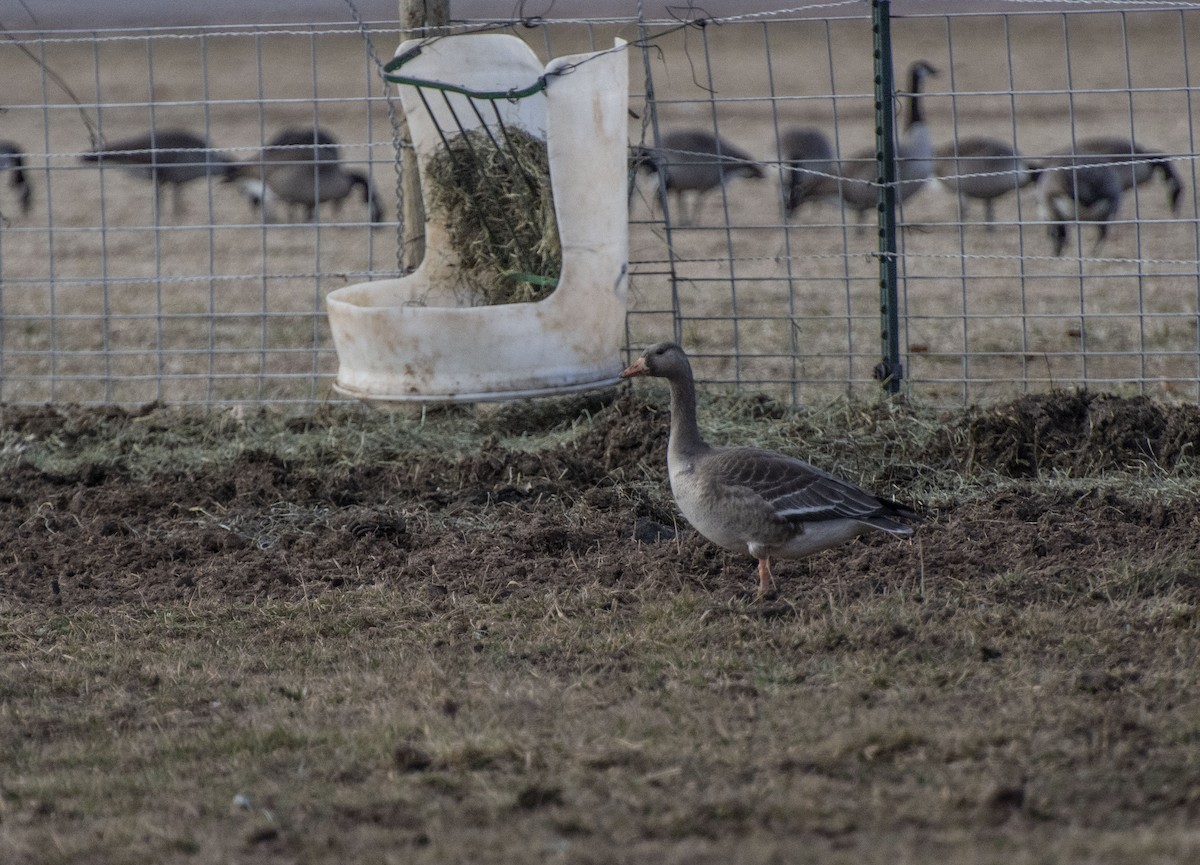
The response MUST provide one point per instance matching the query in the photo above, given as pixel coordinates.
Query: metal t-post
(890, 370)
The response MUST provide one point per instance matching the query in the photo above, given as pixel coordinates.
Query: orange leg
(765, 577)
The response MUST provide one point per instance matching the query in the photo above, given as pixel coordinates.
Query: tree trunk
(416, 17)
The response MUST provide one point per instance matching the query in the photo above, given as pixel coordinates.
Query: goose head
(664, 360)
(643, 159)
(918, 72)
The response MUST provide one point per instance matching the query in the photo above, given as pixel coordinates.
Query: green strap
(511, 95)
(534, 279)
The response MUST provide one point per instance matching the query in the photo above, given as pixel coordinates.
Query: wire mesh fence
(987, 311)
(764, 264)
(147, 270)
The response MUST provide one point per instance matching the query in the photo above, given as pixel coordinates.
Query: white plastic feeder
(413, 339)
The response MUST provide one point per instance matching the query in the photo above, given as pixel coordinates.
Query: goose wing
(793, 491)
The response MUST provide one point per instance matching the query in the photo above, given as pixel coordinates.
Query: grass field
(354, 636)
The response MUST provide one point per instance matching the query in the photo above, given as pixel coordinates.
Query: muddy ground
(497, 521)
(348, 636)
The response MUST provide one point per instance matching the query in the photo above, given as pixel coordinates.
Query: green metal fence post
(890, 370)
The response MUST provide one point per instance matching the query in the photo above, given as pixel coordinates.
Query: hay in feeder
(493, 190)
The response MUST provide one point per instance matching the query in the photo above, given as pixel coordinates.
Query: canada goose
(1076, 189)
(12, 160)
(302, 166)
(856, 180)
(982, 168)
(756, 501)
(808, 163)
(165, 157)
(1149, 163)
(692, 160)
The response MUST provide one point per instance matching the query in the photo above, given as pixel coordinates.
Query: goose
(855, 182)
(693, 160)
(982, 168)
(756, 501)
(808, 164)
(1078, 188)
(12, 160)
(302, 166)
(811, 173)
(165, 157)
(1149, 163)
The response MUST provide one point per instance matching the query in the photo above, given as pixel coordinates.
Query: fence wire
(109, 294)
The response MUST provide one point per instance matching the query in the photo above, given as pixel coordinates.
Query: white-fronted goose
(856, 178)
(302, 166)
(757, 501)
(165, 157)
(984, 169)
(12, 160)
(693, 160)
(1078, 189)
(1146, 163)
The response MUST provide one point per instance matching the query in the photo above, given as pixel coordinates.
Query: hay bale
(493, 191)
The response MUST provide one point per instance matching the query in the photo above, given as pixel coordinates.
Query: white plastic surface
(411, 339)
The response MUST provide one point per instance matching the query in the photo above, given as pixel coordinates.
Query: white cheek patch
(259, 195)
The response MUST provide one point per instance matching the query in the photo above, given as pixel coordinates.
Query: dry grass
(605, 702)
(585, 723)
(493, 192)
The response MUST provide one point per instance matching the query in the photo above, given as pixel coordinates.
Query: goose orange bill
(638, 367)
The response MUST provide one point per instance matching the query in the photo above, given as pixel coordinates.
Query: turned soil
(497, 521)
(486, 636)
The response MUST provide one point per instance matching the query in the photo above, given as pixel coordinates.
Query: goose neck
(914, 100)
(685, 431)
(915, 116)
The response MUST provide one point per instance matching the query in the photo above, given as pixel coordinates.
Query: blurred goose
(302, 166)
(1078, 189)
(165, 157)
(808, 166)
(757, 501)
(12, 160)
(856, 179)
(692, 160)
(1149, 163)
(985, 169)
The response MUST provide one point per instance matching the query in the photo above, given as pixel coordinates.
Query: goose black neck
(914, 100)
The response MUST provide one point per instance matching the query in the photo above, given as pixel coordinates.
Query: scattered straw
(494, 193)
